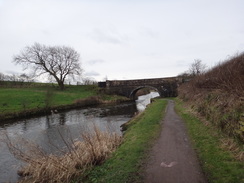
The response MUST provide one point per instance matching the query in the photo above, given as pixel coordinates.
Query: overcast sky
(125, 39)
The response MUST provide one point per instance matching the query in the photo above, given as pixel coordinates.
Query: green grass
(19, 99)
(38, 98)
(125, 164)
(219, 165)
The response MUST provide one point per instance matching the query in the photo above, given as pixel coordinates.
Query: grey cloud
(106, 37)
(147, 32)
(45, 32)
(181, 63)
(91, 74)
(12, 72)
(241, 46)
(95, 61)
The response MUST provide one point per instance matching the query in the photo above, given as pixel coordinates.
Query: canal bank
(20, 102)
(126, 163)
(77, 104)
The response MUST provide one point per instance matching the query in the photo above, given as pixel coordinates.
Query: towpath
(172, 159)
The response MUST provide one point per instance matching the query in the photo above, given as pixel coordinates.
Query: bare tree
(25, 78)
(2, 77)
(197, 67)
(57, 61)
(89, 81)
(12, 77)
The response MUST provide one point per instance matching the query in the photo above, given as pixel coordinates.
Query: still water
(48, 131)
(144, 100)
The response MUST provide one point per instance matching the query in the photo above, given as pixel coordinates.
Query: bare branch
(197, 67)
(57, 61)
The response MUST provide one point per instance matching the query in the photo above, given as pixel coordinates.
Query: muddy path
(172, 159)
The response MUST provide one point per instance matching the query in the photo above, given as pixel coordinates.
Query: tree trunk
(61, 85)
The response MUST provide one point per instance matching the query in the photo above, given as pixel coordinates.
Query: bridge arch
(166, 87)
(133, 92)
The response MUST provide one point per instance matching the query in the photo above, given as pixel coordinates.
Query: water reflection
(62, 118)
(49, 131)
(144, 100)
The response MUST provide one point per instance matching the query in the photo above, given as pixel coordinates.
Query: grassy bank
(221, 158)
(125, 163)
(25, 101)
(218, 95)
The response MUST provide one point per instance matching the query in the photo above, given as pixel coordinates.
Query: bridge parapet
(138, 82)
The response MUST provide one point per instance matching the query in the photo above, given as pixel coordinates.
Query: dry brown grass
(233, 147)
(227, 76)
(227, 143)
(218, 95)
(95, 147)
(94, 100)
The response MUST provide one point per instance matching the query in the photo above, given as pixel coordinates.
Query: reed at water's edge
(95, 147)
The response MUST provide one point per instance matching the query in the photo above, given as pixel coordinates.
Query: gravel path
(172, 159)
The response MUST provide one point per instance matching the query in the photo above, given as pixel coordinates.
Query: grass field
(18, 99)
(126, 163)
(33, 100)
(220, 163)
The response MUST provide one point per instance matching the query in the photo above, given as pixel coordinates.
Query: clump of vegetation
(94, 148)
(219, 95)
(93, 100)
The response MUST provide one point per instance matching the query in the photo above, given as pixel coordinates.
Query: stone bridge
(166, 87)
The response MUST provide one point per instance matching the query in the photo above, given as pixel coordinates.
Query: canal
(48, 131)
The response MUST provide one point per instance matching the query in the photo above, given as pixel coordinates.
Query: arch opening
(133, 92)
